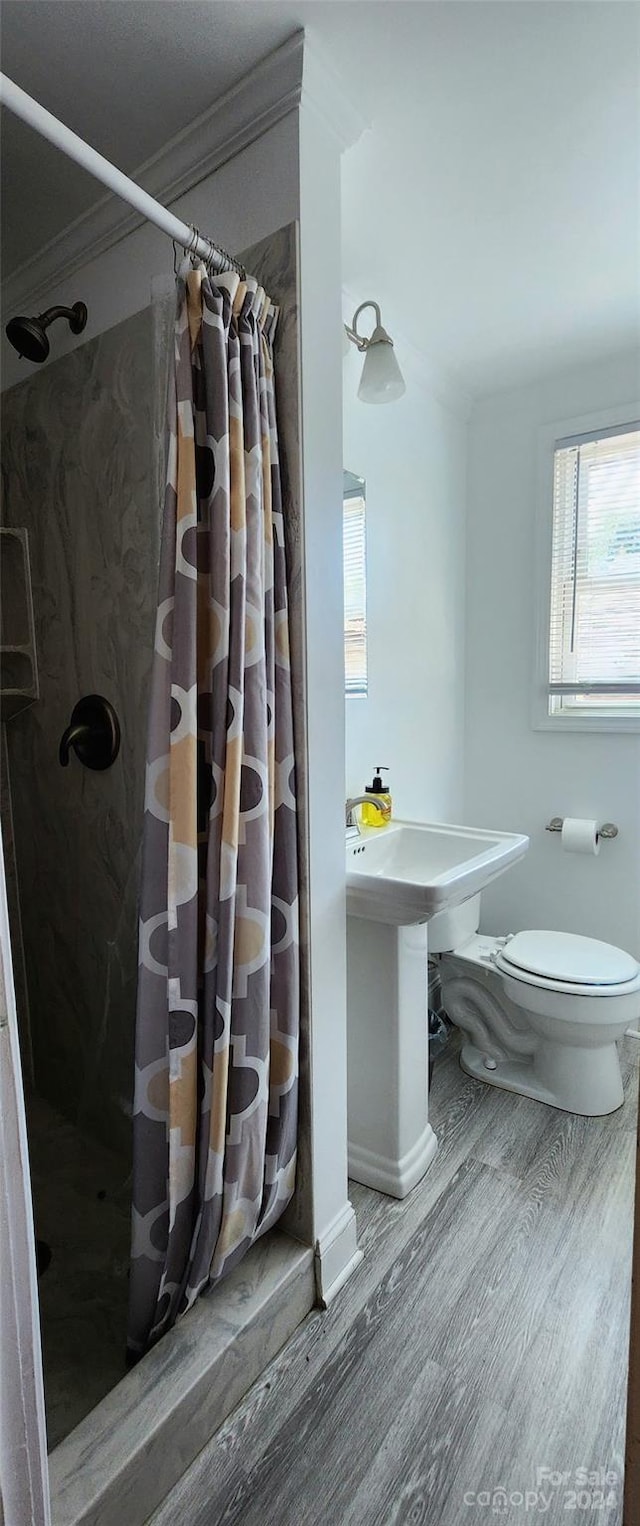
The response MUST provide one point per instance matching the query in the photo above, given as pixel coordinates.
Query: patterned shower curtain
(215, 1110)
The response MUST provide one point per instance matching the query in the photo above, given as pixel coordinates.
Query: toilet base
(583, 1081)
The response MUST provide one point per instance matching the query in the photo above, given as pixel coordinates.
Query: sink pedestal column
(391, 1141)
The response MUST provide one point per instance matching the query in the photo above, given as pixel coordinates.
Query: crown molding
(260, 100)
(436, 379)
(329, 96)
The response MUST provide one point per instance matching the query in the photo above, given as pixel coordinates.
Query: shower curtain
(215, 1108)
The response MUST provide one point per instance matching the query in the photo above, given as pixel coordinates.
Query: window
(355, 586)
(594, 619)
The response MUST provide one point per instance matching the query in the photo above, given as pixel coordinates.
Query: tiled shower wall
(80, 447)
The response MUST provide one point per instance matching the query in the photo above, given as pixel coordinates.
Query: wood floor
(483, 1338)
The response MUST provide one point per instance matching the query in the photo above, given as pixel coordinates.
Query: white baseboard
(336, 1255)
(395, 1177)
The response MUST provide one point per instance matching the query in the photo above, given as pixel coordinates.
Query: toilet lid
(568, 957)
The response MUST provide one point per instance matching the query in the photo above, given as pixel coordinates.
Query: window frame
(625, 416)
(355, 487)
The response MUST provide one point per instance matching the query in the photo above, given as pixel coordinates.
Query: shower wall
(81, 468)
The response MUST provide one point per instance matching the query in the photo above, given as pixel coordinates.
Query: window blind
(594, 649)
(355, 598)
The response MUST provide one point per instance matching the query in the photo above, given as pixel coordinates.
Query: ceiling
(493, 209)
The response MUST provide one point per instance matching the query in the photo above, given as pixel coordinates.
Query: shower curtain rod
(89, 159)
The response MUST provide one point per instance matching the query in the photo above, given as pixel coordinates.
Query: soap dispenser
(371, 815)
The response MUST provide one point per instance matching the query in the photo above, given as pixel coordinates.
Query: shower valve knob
(93, 732)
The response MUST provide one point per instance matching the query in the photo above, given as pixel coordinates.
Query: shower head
(28, 337)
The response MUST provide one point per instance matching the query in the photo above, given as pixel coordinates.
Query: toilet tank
(451, 928)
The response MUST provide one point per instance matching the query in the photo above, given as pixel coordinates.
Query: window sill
(564, 723)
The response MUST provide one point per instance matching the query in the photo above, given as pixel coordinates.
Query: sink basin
(408, 871)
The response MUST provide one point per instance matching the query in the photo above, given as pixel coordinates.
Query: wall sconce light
(382, 380)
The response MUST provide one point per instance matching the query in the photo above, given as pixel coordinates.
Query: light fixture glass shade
(382, 380)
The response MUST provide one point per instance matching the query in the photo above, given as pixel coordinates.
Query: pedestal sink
(399, 878)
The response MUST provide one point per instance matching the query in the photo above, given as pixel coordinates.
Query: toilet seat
(567, 962)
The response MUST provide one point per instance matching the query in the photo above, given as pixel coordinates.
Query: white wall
(412, 454)
(517, 778)
(321, 335)
(249, 197)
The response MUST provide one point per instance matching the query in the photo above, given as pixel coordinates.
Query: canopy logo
(570, 1489)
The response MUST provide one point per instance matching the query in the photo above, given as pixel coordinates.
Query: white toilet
(541, 1011)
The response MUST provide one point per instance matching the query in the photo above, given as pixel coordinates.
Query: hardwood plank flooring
(484, 1337)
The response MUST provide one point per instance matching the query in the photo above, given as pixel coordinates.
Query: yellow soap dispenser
(371, 815)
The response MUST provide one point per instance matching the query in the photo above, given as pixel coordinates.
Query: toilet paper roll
(580, 835)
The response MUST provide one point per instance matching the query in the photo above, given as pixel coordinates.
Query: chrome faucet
(350, 820)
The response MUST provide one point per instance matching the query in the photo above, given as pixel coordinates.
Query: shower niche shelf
(18, 664)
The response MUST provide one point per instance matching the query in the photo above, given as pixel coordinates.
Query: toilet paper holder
(608, 828)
